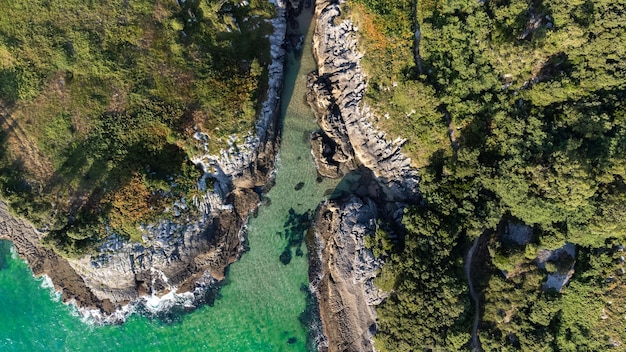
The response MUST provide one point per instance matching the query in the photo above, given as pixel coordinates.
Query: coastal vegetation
(100, 102)
(514, 113)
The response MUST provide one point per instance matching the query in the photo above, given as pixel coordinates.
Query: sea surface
(266, 292)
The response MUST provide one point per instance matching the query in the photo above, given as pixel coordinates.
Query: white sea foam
(13, 252)
(155, 304)
(47, 284)
(152, 305)
(95, 316)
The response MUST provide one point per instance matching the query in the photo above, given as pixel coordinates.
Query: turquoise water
(260, 306)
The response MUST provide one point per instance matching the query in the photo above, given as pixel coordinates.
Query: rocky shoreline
(336, 91)
(342, 269)
(44, 261)
(182, 260)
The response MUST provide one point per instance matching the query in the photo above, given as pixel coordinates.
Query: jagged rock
(329, 160)
(342, 271)
(519, 233)
(336, 94)
(44, 261)
(564, 258)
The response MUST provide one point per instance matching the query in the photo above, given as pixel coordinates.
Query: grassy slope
(99, 102)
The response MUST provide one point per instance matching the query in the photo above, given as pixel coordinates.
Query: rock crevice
(336, 93)
(342, 269)
(342, 273)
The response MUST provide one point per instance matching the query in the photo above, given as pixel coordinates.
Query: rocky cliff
(186, 255)
(44, 261)
(342, 269)
(348, 138)
(342, 273)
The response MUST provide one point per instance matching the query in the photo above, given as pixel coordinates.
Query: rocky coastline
(180, 261)
(342, 269)
(348, 138)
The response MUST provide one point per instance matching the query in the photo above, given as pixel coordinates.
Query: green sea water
(260, 305)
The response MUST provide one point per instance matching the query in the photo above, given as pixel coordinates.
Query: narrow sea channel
(259, 308)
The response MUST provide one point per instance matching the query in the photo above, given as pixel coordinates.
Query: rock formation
(44, 261)
(342, 269)
(342, 273)
(336, 94)
(564, 259)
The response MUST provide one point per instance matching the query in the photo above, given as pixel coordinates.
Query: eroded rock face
(342, 273)
(44, 261)
(187, 255)
(564, 258)
(330, 160)
(342, 269)
(173, 257)
(336, 94)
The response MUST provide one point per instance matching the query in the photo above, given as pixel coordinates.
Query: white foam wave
(45, 282)
(155, 304)
(95, 316)
(13, 252)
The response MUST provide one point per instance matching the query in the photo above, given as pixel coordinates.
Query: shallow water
(259, 308)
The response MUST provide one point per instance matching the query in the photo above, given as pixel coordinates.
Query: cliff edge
(342, 268)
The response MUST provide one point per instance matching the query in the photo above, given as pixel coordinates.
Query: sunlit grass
(98, 91)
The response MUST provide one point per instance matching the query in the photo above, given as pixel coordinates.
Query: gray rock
(519, 233)
(342, 269)
(564, 258)
(336, 94)
(342, 273)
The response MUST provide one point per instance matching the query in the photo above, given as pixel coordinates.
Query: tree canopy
(514, 112)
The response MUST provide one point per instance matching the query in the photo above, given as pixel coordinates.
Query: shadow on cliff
(298, 24)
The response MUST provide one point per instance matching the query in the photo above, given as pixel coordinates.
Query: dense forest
(515, 114)
(100, 101)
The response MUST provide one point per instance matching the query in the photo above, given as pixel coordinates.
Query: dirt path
(475, 344)
(23, 148)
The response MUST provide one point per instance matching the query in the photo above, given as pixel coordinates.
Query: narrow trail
(18, 142)
(475, 344)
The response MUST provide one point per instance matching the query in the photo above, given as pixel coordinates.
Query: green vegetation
(514, 111)
(99, 102)
(430, 307)
(586, 315)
